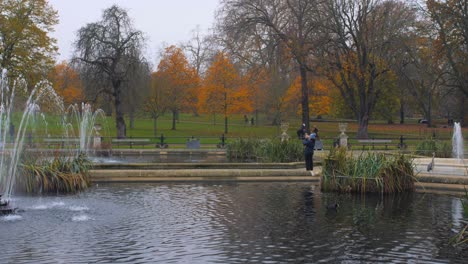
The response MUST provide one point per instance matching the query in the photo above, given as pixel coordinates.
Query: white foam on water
(11, 218)
(78, 208)
(40, 207)
(58, 204)
(81, 218)
(48, 206)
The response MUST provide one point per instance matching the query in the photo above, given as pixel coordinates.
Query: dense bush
(368, 172)
(442, 149)
(60, 174)
(265, 150)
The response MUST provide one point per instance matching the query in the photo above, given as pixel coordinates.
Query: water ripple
(229, 223)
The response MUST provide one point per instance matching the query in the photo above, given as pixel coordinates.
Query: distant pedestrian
(301, 131)
(309, 145)
(316, 131)
(246, 120)
(252, 121)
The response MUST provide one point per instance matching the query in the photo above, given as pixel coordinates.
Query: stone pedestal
(284, 135)
(343, 137)
(97, 137)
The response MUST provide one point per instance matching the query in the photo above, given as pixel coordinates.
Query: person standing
(309, 144)
(301, 131)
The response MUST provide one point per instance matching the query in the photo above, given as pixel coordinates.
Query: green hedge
(265, 150)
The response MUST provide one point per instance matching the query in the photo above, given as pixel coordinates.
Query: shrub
(61, 174)
(266, 150)
(442, 149)
(369, 172)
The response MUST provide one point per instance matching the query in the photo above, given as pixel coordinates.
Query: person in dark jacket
(309, 144)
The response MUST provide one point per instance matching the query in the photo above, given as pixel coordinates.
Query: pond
(230, 223)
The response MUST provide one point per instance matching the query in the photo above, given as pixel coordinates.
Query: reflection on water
(229, 223)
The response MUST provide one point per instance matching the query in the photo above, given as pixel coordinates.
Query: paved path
(448, 175)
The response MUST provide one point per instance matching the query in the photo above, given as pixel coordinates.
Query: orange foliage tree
(67, 83)
(178, 80)
(224, 91)
(319, 99)
(256, 79)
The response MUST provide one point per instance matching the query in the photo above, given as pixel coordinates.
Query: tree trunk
(305, 97)
(174, 117)
(463, 110)
(132, 119)
(402, 113)
(256, 117)
(225, 124)
(119, 115)
(155, 126)
(225, 114)
(429, 111)
(363, 125)
(195, 112)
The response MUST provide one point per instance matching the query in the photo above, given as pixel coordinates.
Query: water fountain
(10, 152)
(457, 142)
(84, 119)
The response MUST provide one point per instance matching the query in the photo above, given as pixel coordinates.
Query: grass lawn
(203, 126)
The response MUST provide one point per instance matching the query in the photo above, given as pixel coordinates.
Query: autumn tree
(223, 92)
(26, 49)
(107, 52)
(179, 81)
(66, 82)
(292, 23)
(363, 37)
(451, 20)
(319, 101)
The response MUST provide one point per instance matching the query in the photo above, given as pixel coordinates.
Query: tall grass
(265, 150)
(442, 149)
(59, 175)
(368, 172)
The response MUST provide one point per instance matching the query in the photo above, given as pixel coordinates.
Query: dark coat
(309, 145)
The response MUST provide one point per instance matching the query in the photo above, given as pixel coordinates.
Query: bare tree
(136, 89)
(364, 35)
(451, 21)
(110, 51)
(293, 23)
(199, 50)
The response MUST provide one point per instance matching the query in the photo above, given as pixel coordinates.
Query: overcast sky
(162, 21)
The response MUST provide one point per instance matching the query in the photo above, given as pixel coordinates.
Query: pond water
(230, 223)
(175, 157)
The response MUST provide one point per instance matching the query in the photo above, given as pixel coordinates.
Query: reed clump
(367, 173)
(265, 150)
(57, 175)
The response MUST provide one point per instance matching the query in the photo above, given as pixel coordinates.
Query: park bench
(131, 141)
(61, 142)
(375, 142)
